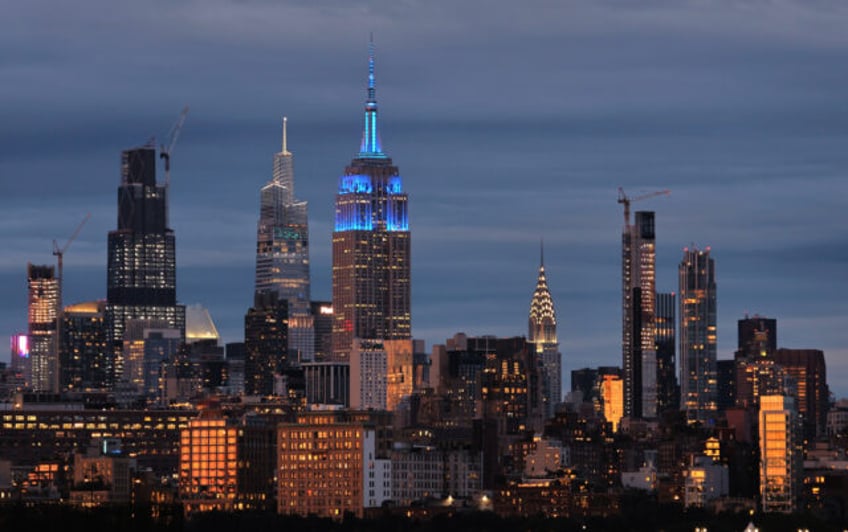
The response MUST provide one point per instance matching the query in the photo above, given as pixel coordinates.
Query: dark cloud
(510, 122)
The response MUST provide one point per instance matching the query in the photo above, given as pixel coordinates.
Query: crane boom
(626, 201)
(165, 151)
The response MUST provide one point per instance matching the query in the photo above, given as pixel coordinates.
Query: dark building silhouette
(265, 343)
(84, 362)
(807, 367)
(726, 376)
(668, 392)
(142, 266)
(757, 336)
(322, 315)
(371, 244)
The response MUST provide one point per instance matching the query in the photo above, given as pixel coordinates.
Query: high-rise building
(265, 342)
(698, 373)
(282, 252)
(781, 466)
(43, 298)
(638, 261)
(83, 357)
(543, 334)
(322, 317)
(612, 399)
(668, 392)
(807, 368)
(142, 265)
(371, 245)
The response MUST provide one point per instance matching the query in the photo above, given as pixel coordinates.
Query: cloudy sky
(510, 122)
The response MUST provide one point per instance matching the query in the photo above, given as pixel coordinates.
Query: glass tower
(142, 265)
(43, 296)
(282, 253)
(698, 372)
(371, 244)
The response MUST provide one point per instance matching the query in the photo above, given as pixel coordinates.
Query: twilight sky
(510, 122)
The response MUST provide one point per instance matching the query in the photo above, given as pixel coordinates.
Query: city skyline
(756, 168)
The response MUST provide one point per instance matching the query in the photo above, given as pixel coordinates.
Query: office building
(282, 252)
(638, 252)
(84, 361)
(698, 372)
(543, 334)
(612, 399)
(43, 287)
(142, 266)
(668, 392)
(757, 336)
(781, 466)
(371, 245)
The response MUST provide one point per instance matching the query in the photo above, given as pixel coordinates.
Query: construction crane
(626, 201)
(60, 254)
(165, 151)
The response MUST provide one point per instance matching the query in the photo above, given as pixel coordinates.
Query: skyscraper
(43, 297)
(543, 334)
(265, 343)
(282, 252)
(142, 265)
(781, 465)
(698, 373)
(371, 245)
(638, 258)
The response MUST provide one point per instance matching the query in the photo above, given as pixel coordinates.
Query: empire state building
(371, 244)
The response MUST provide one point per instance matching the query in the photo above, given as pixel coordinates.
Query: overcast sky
(510, 122)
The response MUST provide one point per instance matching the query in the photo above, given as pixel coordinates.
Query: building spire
(542, 253)
(285, 147)
(371, 145)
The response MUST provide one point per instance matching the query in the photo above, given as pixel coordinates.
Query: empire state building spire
(371, 146)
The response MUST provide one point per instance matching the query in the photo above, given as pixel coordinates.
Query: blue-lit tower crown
(371, 243)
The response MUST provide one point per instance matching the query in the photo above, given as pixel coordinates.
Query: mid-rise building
(612, 399)
(266, 343)
(21, 361)
(639, 358)
(322, 319)
(781, 466)
(371, 245)
(543, 334)
(698, 373)
(808, 369)
(43, 287)
(142, 265)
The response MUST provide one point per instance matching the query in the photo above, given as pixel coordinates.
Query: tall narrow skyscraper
(371, 245)
(282, 253)
(698, 372)
(43, 296)
(142, 264)
(543, 334)
(638, 339)
(668, 393)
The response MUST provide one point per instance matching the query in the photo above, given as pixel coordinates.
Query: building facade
(698, 373)
(781, 465)
(142, 265)
(639, 358)
(668, 392)
(543, 334)
(371, 245)
(265, 343)
(282, 252)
